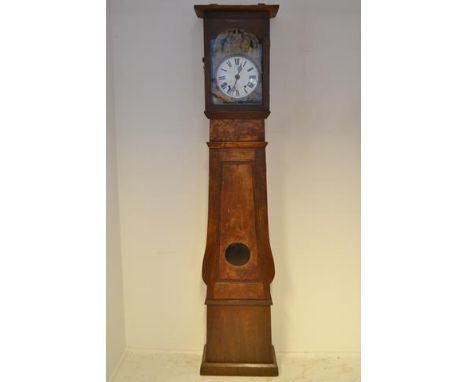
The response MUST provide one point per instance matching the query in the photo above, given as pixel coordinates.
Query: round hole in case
(237, 254)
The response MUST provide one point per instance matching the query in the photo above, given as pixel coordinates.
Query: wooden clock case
(238, 264)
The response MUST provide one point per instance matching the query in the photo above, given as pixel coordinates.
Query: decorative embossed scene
(236, 68)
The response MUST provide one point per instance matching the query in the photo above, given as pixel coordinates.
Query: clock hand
(236, 77)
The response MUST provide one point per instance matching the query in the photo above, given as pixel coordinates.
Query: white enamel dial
(237, 76)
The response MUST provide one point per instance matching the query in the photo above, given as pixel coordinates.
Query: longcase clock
(238, 264)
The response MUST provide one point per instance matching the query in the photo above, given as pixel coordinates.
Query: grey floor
(145, 366)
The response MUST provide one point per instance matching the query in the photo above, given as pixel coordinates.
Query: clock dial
(237, 77)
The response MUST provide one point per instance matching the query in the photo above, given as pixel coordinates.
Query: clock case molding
(254, 19)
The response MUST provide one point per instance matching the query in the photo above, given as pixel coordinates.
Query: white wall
(115, 336)
(313, 161)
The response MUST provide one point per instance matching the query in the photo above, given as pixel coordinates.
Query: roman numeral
(223, 85)
(250, 85)
(252, 77)
(224, 70)
(245, 62)
(250, 69)
(236, 61)
(237, 93)
(229, 64)
(221, 77)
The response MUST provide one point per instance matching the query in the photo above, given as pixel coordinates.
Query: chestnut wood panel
(238, 214)
(237, 130)
(230, 301)
(263, 236)
(240, 334)
(239, 155)
(238, 290)
(237, 221)
(241, 369)
(234, 145)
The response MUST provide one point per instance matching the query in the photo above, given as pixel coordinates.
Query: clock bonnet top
(237, 60)
(270, 9)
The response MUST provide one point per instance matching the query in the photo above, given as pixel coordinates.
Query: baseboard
(210, 369)
(308, 353)
(117, 367)
(320, 353)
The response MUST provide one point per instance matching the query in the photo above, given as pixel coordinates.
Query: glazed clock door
(236, 62)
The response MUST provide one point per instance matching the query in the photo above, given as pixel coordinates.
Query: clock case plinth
(239, 340)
